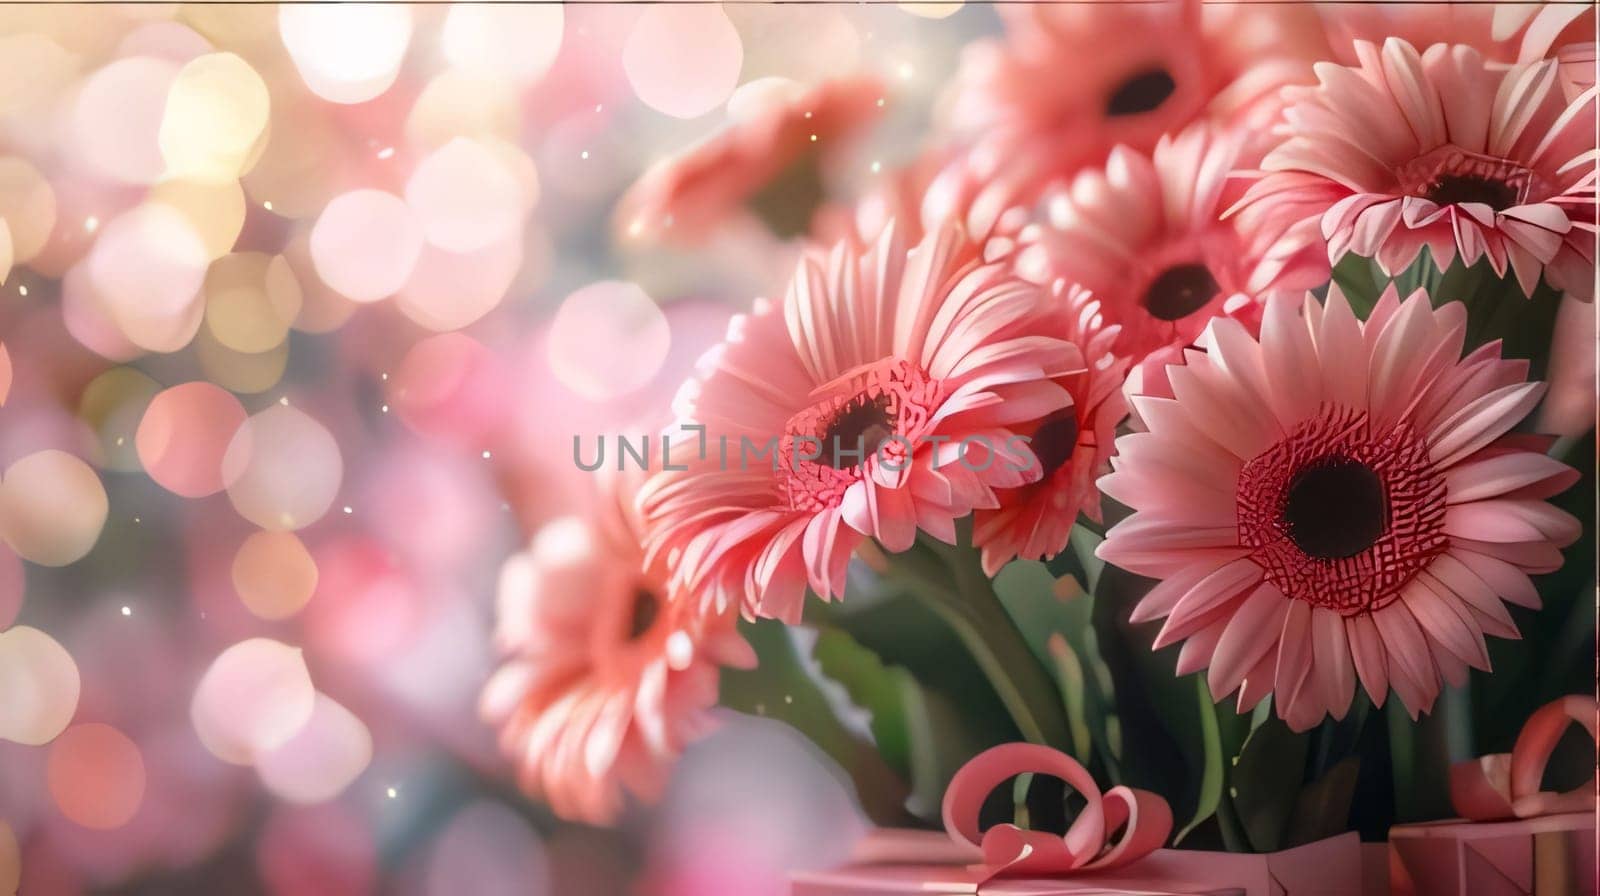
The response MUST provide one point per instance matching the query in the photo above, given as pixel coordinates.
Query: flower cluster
(1105, 288)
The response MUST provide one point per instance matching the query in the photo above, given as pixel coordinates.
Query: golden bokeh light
(215, 119)
(251, 301)
(53, 507)
(274, 574)
(41, 684)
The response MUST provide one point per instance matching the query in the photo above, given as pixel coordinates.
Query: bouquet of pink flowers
(1205, 402)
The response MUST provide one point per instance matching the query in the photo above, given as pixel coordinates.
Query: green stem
(952, 584)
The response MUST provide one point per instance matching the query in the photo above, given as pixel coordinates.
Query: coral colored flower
(1073, 445)
(1443, 150)
(1338, 501)
(610, 671)
(1069, 82)
(1503, 32)
(1144, 235)
(921, 360)
(768, 160)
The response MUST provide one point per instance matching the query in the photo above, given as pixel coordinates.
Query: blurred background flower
(300, 308)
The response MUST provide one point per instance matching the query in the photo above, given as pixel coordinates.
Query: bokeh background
(301, 308)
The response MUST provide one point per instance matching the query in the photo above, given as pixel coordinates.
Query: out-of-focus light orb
(216, 117)
(519, 165)
(487, 850)
(932, 10)
(449, 290)
(183, 435)
(28, 205)
(252, 299)
(463, 197)
(282, 469)
(447, 386)
(247, 373)
(147, 266)
(13, 586)
(322, 308)
(274, 574)
(619, 316)
(683, 60)
(463, 104)
(808, 43)
(53, 507)
(215, 210)
(304, 162)
(32, 68)
(328, 753)
(96, 776)
(10, 861)
(88, 320)
(164, 40)
(346, 52)
(40, 682)
(112, 404)
(116, 122)
(365, 244)
(255, 696)
(513, 42)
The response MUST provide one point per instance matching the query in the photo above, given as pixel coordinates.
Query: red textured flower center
(1342, 515)
(1452, 176)
(875, 415)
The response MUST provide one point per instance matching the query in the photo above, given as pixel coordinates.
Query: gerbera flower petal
(1371, 526)
(1482, 143)
(893, 377)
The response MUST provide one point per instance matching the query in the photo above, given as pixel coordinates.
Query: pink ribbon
(1506, 785)
(1144, 818)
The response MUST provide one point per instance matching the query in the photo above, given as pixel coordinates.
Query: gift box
(901, 862)
(1552, 855)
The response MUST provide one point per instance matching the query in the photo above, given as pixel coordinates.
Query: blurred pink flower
(1443, 150)
(1073, 445)
(1503, 32)
(1338, 501)
(886, 384)
(1069, 82)
(768, 158)
(1144, 235)
(610, 670)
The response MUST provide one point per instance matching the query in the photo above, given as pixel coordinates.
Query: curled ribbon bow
(1506, 785)
(1144, 817)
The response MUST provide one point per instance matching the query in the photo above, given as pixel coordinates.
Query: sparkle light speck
(127, 611)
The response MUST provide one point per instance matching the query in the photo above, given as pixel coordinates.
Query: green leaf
(1212, 771)
(1055, 616)
(916, 730)
(1266, 779)
(780, 688)
(1323, 808)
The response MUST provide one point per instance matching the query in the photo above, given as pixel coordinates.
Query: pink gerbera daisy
(766, 163)
(610, 670)
(1144, 235)
(1338, 501)
(1443, 150)
(1069, 82)
(885, 386)
(1073, 446)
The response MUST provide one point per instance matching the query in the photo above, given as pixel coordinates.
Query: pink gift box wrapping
(902, 862)
(1552, 855)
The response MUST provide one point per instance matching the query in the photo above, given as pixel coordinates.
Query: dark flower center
(1180, 291)
(857, 431)
(646, 609)
(1144, 92)
(1055, 441)
(1454, 189)
(787, 202)
(1335, 508)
